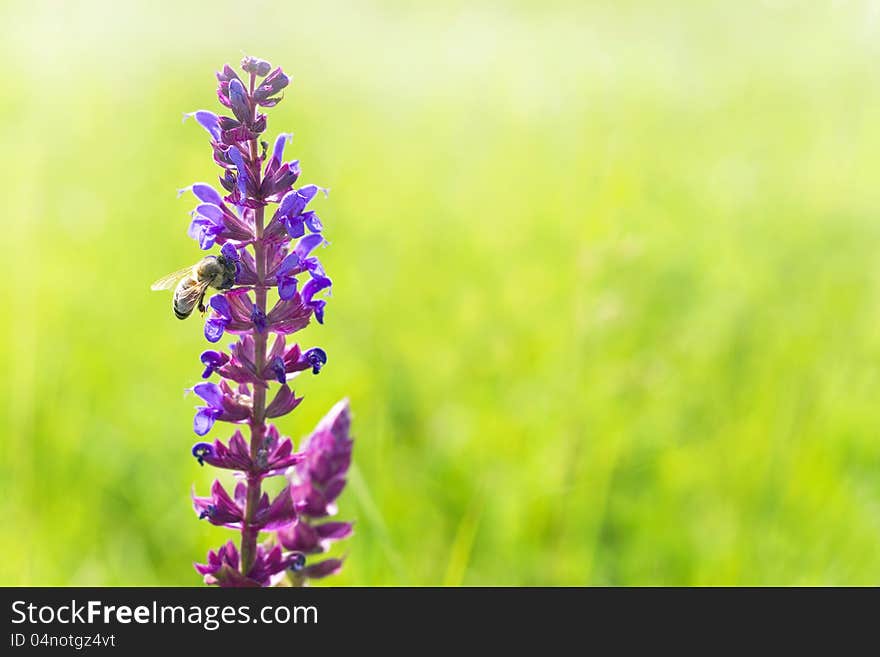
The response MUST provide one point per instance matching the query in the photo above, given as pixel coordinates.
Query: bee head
(230, 269)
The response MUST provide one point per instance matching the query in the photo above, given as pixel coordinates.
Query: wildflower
(238, 218)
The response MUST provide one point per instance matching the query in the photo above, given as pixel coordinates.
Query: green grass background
(606, 285)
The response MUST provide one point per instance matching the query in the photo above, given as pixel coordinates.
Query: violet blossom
(274, 251)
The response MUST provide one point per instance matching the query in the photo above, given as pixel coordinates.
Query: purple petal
(310, 289)
(337, 421)
(256, 66)
(222, 498)
(311, 220)
(227, 556)
(294, 202)
(239, 100)
(318, 309)
(278, 151)
(214, 328)
(309, 500)
(212, 360)
(204, 231)
(210, 211)
(279, 514)
(295, 226)
(334, 531)
(278, 369)
(289, 315)
(204, 419)
(210, 392)
(229, 252)
(220, 304)
(290, 262)
(206, 240)
(240, 494)
(284, 402)
(323, 568)
(334, 489)
(274, 82)
(240, 305)
(299, 536)
(219, 509)
(287, 287)
(196, 227)
(203, 451)
(238, 160)
(258, 318)
(208, 120)
(307, 244)
(207, 194)
(316, 358)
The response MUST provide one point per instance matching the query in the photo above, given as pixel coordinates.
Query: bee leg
(202, 308)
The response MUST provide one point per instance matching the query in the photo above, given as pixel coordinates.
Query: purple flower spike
(263, 226)
(316, 483)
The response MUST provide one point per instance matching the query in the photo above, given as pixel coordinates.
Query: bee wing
(191, 295)
(170, 280)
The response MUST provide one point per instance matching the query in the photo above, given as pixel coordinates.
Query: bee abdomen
(186, 296)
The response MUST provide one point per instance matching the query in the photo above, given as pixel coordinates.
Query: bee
(191, 283)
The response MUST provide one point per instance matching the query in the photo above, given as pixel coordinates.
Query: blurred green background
(606, 286)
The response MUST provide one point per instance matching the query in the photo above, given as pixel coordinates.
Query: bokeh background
(606, 285)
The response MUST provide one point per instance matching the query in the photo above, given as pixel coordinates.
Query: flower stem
(258, 419)
(258, 426)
